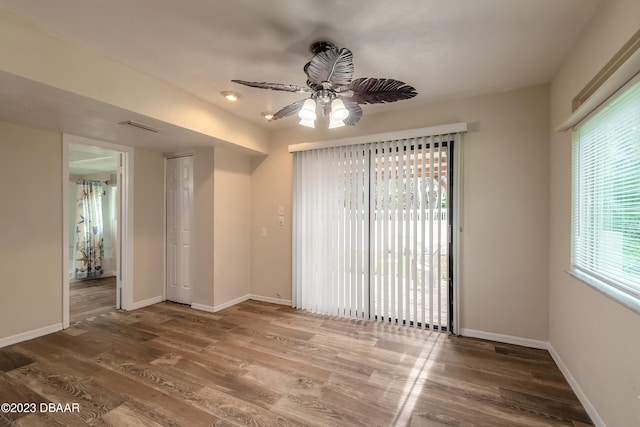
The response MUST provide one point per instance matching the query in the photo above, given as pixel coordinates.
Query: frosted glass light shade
(308, 110)
(307, 123)
(338, 110)
(335, 123)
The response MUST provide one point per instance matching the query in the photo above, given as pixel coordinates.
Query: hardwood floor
(268, 365)
(92, 297)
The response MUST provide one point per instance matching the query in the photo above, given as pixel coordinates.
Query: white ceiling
(445, 49)
(85, 160)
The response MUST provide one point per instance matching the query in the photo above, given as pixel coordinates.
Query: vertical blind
(606, 194)
(371, 236)
(331, 224)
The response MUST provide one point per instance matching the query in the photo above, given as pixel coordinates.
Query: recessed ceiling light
(230, 96)
(267, 116)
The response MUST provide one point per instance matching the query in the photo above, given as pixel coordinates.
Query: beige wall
(232, 246)
(597, 339)
(148, 224)
(203, 234)
(504, 286)
(30, 229)
(270, 188)
(221, 218)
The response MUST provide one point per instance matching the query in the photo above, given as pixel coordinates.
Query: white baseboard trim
(544, 345)
(593, 414)
(230, 303)
(238, 300)
(270, 299)
(29, 335)
(147, 302)
(508, 339)
(203, 307)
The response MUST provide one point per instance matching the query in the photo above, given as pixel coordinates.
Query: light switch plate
(280, 210)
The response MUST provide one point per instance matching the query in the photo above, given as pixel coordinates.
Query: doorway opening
(97, 218)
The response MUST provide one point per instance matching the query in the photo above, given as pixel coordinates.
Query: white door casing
(179, 184)
(119, 232)
(124, 293)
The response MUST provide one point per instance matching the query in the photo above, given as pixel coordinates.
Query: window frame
(628, 296)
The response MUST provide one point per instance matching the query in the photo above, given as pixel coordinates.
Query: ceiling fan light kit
(335, 123)
(338, 110)
(307, 123)
(308, 110)
(331, 86)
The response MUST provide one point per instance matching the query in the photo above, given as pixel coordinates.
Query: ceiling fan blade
(376, 91)
(355, 112)
(288, 110)
(274, 86)
(333, 65)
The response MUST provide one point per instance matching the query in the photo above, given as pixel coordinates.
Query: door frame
(165, 261)
(457, 176)
(124, 291)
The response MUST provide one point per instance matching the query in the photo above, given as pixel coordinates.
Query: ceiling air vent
(139, 126)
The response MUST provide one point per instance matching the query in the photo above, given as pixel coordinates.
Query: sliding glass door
(372, 231)
(410, 232)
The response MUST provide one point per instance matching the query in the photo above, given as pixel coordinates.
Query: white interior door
(179, 177)
(118, 249)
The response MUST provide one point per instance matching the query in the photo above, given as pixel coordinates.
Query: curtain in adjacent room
(89, 248)
(371, 230)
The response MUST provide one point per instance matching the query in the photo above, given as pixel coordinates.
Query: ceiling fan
(331, 86)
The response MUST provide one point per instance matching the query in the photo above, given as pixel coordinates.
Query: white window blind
(371, 236)
(606, 196)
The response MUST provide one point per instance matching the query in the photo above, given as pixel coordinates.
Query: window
(605, 247)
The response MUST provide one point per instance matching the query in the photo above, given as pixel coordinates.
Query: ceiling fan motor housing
(320, 46)
(324, 96)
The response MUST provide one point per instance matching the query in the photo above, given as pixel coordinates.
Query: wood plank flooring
(91, 297)
(267, 365)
